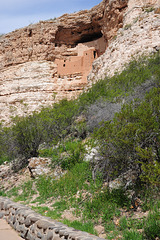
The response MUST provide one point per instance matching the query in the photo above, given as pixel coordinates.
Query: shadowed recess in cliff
(82, 34)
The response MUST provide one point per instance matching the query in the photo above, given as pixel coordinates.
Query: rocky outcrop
(5, 170)
(38, 166)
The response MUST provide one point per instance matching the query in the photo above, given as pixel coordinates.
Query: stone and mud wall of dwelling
(81, 62)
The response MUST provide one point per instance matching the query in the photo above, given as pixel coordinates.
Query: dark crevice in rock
(90, 37)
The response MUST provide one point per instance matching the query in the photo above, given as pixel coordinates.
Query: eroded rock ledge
(33, 226)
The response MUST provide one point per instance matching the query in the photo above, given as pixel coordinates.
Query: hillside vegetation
(119, 118)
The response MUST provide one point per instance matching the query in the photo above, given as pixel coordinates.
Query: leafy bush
(133, 131)
(29, 134)
(72, 154)
(57, 120)
(7, 149)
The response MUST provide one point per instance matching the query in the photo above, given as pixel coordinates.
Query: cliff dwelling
(83, 43)
(79, 63)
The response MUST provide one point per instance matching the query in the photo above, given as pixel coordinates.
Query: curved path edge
(32, 226)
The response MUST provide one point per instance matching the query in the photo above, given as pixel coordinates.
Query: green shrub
(73, 153)
(29, 134)
(152, 225)
(57, 120)
(7, 148)
(132, 139)
(24, 137)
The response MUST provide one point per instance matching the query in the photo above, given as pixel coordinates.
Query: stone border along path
(32, 226)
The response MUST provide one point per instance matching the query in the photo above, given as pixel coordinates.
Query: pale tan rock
(5, 170)
(100, 229)
(39, 166)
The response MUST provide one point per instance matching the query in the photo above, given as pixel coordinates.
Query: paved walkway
(7, 232)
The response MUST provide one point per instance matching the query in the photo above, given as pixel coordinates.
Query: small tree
(29, 134)
(57, 120)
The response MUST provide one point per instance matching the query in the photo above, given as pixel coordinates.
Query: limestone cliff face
(48, 40)
(50, 60)
(139, 35)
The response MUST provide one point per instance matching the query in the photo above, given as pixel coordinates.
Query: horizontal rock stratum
(51, 60)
